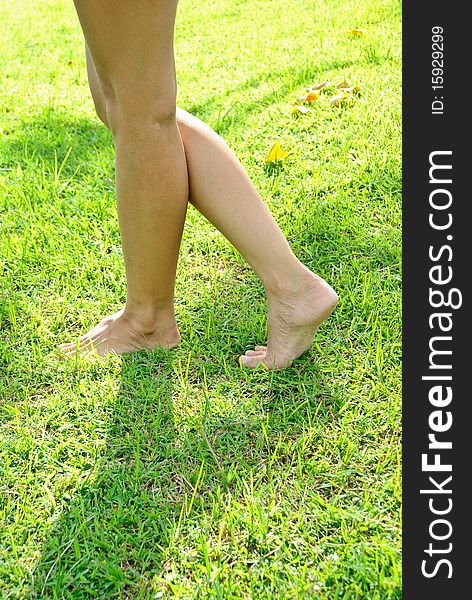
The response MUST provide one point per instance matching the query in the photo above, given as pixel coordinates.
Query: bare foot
(294, 318)
(120, 334)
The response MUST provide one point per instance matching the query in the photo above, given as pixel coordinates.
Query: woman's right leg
(222, 191)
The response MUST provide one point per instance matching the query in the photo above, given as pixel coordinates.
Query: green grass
(177, 474)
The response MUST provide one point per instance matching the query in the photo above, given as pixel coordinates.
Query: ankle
(150, 319)
(293, 283)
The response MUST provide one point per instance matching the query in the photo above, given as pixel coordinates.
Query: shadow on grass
(128, 507)
(156, 485)
(47, 137)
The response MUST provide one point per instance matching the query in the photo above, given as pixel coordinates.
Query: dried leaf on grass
(299, 109)
(342, 98)
(319, 86)
(310, 97)
(276, 153)
(344, 84)
(355, 32)
(354, 88)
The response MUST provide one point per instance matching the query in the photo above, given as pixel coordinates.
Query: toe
(254, 352)
(251, 362)
(73, 348)
(77, 343)
(261, 348)
(66, 347)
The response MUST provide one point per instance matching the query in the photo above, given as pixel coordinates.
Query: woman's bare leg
(132, 48)
(221, 190)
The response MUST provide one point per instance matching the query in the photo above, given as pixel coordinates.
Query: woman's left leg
(132, 48)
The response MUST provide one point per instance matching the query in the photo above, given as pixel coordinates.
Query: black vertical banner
(437, 258)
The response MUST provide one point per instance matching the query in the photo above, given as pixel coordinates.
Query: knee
(137, 115)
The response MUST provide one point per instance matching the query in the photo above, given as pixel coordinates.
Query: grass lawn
(178, 474)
